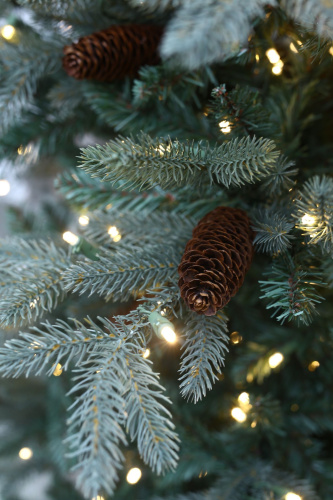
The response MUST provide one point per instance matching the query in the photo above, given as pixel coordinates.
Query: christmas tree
(169, 298)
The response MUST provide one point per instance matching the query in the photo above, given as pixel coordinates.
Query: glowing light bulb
(238, 414)
(25, 453)
(254, 424)
(168, 334)
(114, 233)
(4, 187)
(133, 475)
(313, 366)
(292, 496)
(293, 48)
(277, 69)
(83, 220)
(257, 57)
(273, 56)
(98, 498)
(244, 398)
(117, 238)
(308, 220)
(58, 370)
(331, 50)
(225, 126)
(275, 360)
(70, 238)
(236, 337)
(7, 32)
(146, 354)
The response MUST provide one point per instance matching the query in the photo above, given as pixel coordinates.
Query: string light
(236, 338)
(273, 56)
(70, 238)
(133, 475)
(277, 68)
(58, 370)
(238, 414)
(25, 453)
(83, 220)
(254, 424)
(313, 366)
(98, 498)
(308, 220)
(114, 233)
(292, 496)
(293, 48)
(275, 360)
(225, 126)
(257, 57)
(7, 32)
(146, 354)
(4, 187)
(244, 398)
(331, 50)
(168, 334)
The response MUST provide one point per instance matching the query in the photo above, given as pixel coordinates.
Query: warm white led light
(293, 48)
(275, 360)
(225, 126)
(273, 56)
(146, 354)
(244, 398)
(113, 231)
(58, 370)
(238, 414)
(70, 238)
(331, 50)
(313, 366)
(133, 475)
(83, 220)
(277, 70)
(7, 32)
(4, 187)
(308, 220)
(25, 453)
(98, 498)
(292, 496)
(117, 238)
(168, 334)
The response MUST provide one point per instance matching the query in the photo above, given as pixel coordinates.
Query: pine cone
(113, 53)
(216, 260)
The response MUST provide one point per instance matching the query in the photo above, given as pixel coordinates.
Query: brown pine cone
(113, 53)
(216, 260)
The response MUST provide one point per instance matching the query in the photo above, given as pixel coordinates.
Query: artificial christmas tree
(230, 135)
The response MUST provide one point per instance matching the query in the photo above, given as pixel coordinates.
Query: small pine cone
(113, 53)
(216, 260)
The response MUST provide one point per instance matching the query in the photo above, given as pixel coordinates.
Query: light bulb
(98, 498)
(244, 398)
(238, 414)
(4, 187)
(277, 68)
(25, 453)
(236, 337)
(331, 50)
(308, 220)
(225, 126)
(273, 56)
(313, 366)
(7, 32)
(292, 496)
(113, 231)
(133, 475)
(257, 57)
(70, 238)
(293, 48)
(117, 238)
(168, 334)
(275, 360)
(58, 370)
(146, 354)
(83, 220)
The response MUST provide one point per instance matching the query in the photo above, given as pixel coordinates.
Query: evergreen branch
(39, 352)
(313, 14)
(123, 275)
(243, 109)
(148, 163)
(203, 33)
(204, 350)
(291, 291)
(148, 420)
(315, 211)
(97, 416)
(39, 286)
(272, 230)
(140, 228)
(280, 177)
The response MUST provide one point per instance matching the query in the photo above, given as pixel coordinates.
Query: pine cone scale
(216, 260)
